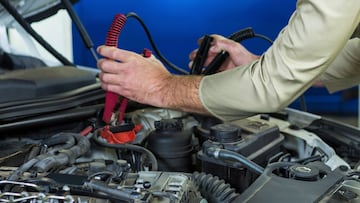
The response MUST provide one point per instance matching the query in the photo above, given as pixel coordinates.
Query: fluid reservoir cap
(225, 133)
(168, 125)
(305, 173)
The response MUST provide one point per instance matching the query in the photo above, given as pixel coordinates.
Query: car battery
(257, 140)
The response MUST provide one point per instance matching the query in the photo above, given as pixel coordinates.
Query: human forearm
(182, 93)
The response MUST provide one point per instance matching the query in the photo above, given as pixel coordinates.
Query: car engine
(161, 155)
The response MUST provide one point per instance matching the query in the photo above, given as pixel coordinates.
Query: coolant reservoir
(172, 145)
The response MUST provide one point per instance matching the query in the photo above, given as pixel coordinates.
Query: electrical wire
(156, 50)
(264, 38)
(159, 54)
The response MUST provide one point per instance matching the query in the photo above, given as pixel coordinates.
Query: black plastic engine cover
(41, 82)
(272, 188)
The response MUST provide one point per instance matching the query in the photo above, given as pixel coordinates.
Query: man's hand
(147, 81)
(131, 75)
(238, 54)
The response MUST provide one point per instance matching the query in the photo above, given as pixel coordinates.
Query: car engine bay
(161, 155)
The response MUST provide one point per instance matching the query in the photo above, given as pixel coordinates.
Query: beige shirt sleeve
(344, 72)
(315, 34)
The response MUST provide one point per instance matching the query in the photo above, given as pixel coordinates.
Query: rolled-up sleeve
(317, 31)
(344, 72)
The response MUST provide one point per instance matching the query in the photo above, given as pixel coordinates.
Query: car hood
(32, 10)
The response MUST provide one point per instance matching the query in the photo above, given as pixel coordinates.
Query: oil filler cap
(303, 172)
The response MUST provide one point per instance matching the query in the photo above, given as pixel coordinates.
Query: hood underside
(31, 10)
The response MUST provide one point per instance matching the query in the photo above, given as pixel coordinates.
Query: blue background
(176, 25)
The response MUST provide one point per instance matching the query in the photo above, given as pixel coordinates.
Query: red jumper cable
(112, 37)
(112, 98)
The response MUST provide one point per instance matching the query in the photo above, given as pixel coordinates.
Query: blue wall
(176, 25)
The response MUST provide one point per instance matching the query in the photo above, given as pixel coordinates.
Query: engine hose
(65, 156)
(51, 162)
(213, 189)
(224, 154)
(114, 193)
(34, 156)
(14, 176)
(33, 159)
(34, 152)
(19, 171)
(131, 147)
(62, 138)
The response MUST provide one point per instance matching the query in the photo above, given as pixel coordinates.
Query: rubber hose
(62, 138)
(34, 152)
(51, 162)
(19, 171)
(114, 193)
(213, 189)
(66, 156)
(224, 154)
(132, 147)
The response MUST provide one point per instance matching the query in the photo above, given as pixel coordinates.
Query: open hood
(32, 10)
